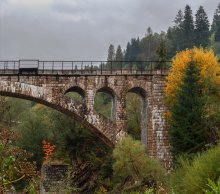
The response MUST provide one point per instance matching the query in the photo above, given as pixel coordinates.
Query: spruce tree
(188, 130)
(201, 28)
(128, 52)
(179, 19)
(174, 35)
(111, 53)
(118, 57)
(217, 32)
(187, 29)
(216, 18)
(135, 49)
(119, 54)
(161, 55)
(178, 31)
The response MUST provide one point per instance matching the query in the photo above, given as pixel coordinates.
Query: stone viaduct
(49, 87)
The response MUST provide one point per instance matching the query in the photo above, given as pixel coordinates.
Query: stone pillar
(158, 139)
(113, 109)
(144, 119)
(121, 118)
(89, 99)
(54, 179)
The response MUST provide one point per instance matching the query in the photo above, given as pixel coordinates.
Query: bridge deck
(36, 67)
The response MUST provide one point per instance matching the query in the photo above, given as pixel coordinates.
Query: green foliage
(133, 49)
(214, 188)
(103, 104)
(174, 35)
(133, 108)
(133, 167)
(191, 176)
(215, 45)
(216, 18)
(11, 110)
(217, 32)
(111, 53)
(33, 130)
(162, 55)
(15, 165)
(201, 28)
(119, 54)
(188, 131)
(143, 49)
(187, 29)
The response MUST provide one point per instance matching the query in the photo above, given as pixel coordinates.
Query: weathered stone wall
(50, 90)
(54, 179)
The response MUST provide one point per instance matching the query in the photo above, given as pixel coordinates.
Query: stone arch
(139, 91)
(78, 90)
(54, 98)
(143, 94)
(110, 92)
(107, 90)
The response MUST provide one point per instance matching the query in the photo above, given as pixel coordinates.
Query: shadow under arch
(61, 109)
(111, 93)
(78, 90)
(143, 96)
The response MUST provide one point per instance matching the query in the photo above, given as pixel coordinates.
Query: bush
(133, 167)
(191, 177)
(214, 188)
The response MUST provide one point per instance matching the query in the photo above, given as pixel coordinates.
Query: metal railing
(37, 67)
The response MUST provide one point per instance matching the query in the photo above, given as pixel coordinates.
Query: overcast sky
(82, 29)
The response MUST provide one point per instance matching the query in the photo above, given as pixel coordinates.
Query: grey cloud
(83, 31)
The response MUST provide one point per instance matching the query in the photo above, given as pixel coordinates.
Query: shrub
(214, 188)
(134, 167)
(191, 177)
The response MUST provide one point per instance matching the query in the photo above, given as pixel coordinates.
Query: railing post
(72, 67)
(52, 66)
(43, 67)
(101, 68)
(14, 67)
(19, 63)
(131, 66)
(91, 67)
(151, 68)
(141, 68)
(82, 67)
(111, 67)
(121, 67)
(62, 67)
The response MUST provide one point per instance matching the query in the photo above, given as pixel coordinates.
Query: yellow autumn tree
(207, 63)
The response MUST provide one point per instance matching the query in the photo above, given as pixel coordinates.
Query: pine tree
(128, 52)
(217, 32)
(187, 29)
(111, 53)
(119, 57)
(174, 35)
(119, 54)
(135, 49)
(201, 28)
(179, 19)
(178, 30)
(149, 31)
(216, 18)
(161, 55)
(187, 131)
